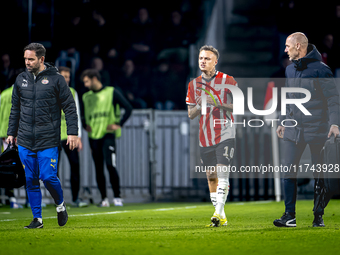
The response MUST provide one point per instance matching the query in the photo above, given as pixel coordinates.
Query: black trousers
(105, 150)
(73, 159)
(292, 154)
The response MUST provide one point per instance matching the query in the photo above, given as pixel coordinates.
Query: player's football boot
(105, 203)
(62, 214)
(79, 203)
(35, 224)
(287, 220)
(211, 224)
(216, 220)
(117, 201)
(318, 221)
(224, 222)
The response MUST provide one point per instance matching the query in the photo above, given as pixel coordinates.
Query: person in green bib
(102, 121)
(5, 110)
(72, 155)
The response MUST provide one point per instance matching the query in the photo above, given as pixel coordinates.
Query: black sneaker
(35, 224)
(62, 215)
(287, 220)
(318, 221)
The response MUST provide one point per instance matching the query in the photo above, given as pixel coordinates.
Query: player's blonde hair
(212, 49)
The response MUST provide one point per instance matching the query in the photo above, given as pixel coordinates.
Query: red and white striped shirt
(215, 125)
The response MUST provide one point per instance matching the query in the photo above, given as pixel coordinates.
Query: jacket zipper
(34, 91)
(294, 115)
(298, 115)
(33, 114)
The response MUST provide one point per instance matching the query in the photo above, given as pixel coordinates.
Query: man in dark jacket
(308, 72)
(38, 96)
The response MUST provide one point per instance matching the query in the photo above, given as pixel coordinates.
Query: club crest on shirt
(45, 81)
(24, 83)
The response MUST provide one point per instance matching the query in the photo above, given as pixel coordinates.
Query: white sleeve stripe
(78, 113)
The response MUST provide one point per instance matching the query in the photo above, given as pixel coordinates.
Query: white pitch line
(116, 212)
(252, 202)
(131, 211)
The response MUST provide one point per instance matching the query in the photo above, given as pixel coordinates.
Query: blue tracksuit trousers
(41, 165)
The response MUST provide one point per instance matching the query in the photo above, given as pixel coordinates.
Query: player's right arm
(194, 104)
(193, 111)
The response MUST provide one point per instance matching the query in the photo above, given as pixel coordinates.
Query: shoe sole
(215, 221)
(211, 225)
(318, 226)
(278, 224)
(34, 228)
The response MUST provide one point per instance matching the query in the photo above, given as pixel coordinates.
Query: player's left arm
(223, 106)
(228, 106)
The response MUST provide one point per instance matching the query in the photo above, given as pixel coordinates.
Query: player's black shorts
(222, 153)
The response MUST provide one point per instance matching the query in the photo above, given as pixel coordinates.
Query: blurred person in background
(103, 122)
(7, 72)
(175, 39)
(72, 155)
(5, 110)
(329, 51)
(98, 64)
(165, 87)
(133, 84)
(140, 38)
(112, 63)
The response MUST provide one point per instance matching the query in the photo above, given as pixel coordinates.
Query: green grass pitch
(170, 228)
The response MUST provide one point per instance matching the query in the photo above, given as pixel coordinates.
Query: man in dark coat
(308, 72)
(38, 96)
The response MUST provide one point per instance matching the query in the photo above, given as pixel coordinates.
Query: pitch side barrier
(152, 159)
(156, 159)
